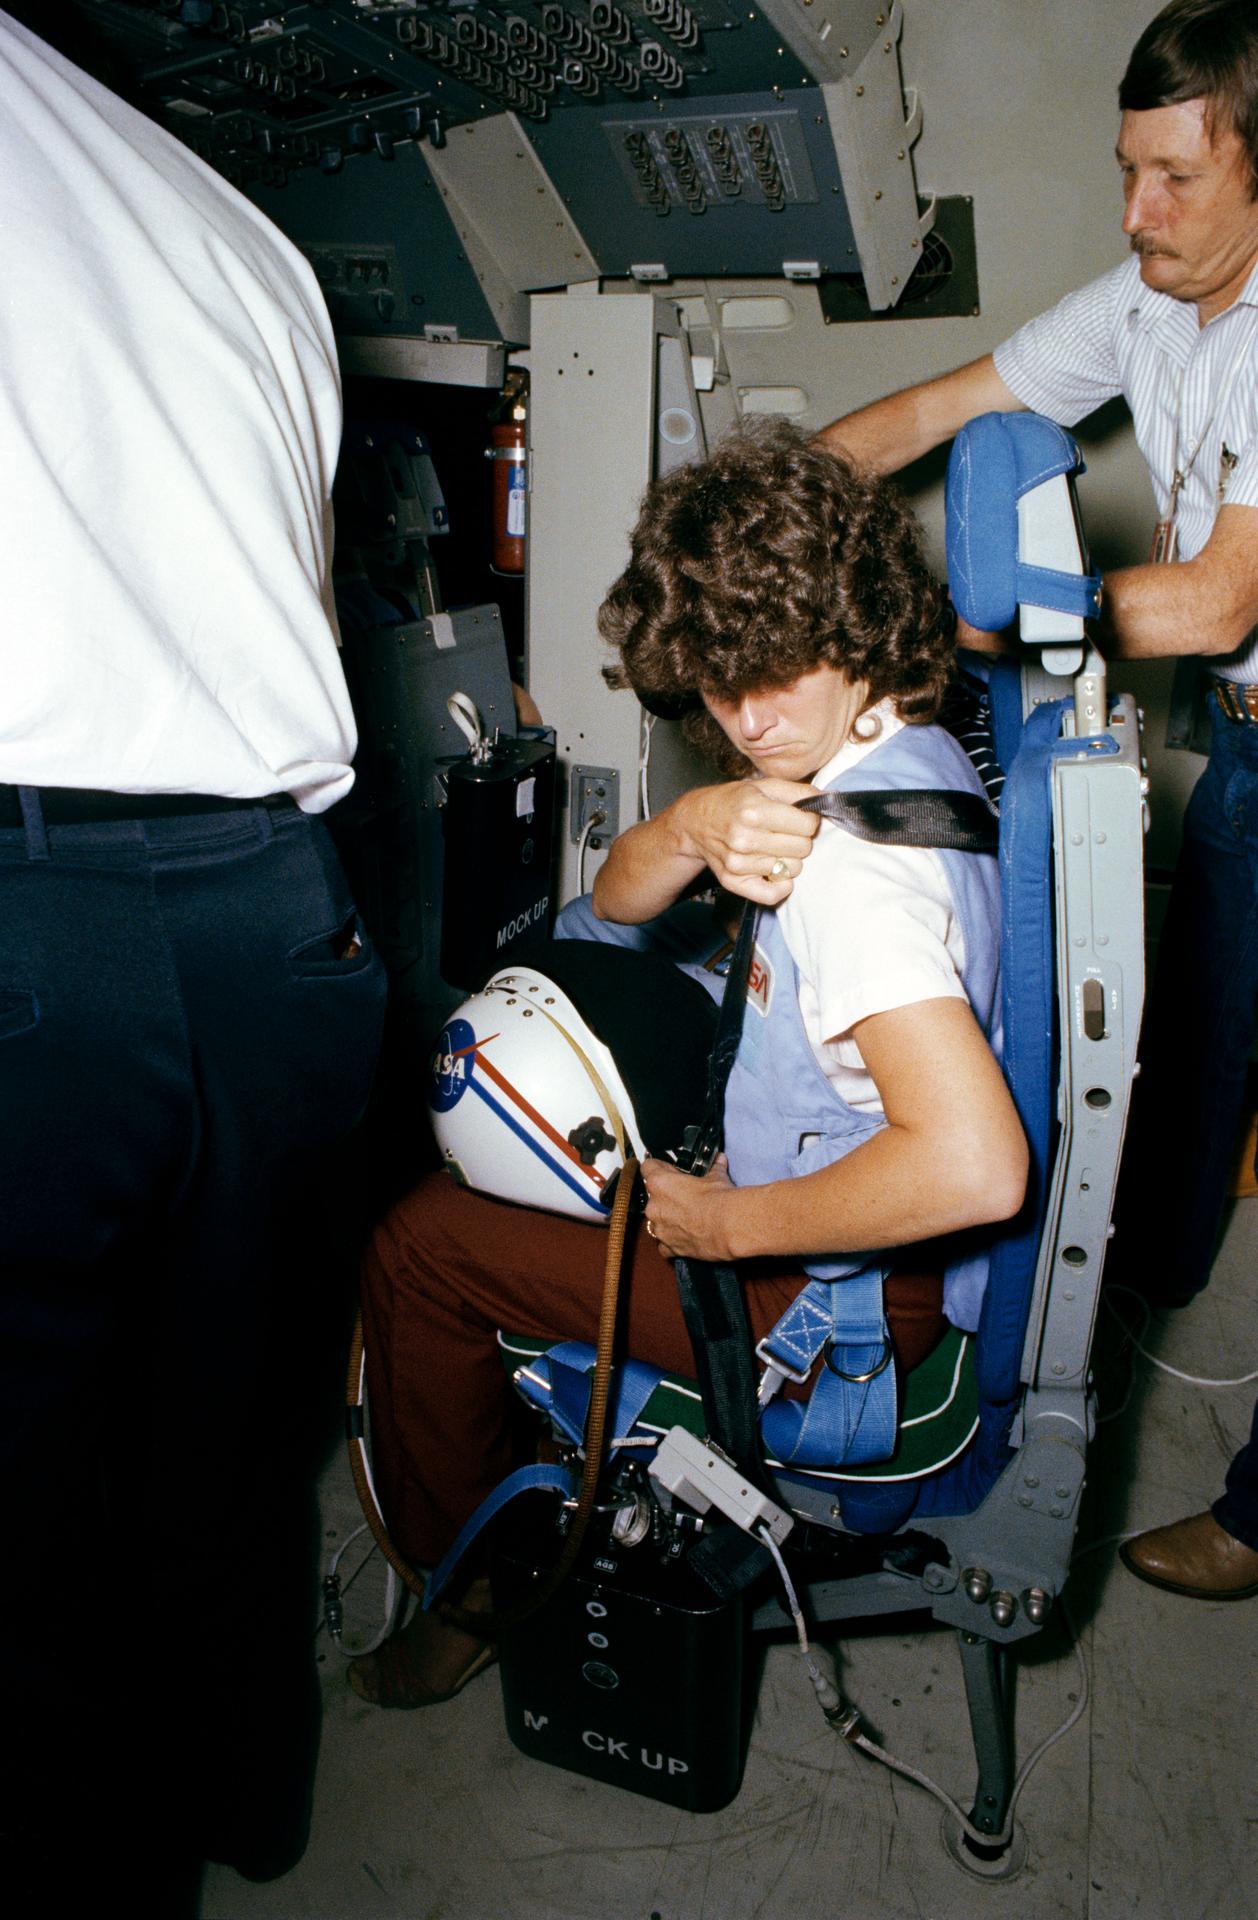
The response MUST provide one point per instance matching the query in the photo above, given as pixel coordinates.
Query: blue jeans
(1198, 1030)
(1237, 1510)
(186, 1026)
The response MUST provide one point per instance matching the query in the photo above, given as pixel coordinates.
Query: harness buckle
(771, 1359)
(858, 1379)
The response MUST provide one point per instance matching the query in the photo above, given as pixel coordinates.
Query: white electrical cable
(828, 1696)
(971, 1832)
(392, 1592)
(347, 1542)
(1106, 1540)
(393, 1585)
(648, 728)
(1190, 1379)
(597, 819)
(845, 1720)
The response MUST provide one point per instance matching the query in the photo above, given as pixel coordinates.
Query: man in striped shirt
(1174, 329)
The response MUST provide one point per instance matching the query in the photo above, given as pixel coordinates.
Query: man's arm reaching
(888, 434)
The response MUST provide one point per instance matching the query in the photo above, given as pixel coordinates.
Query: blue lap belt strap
(852, 1412)
(524, 1480)
(563, 1378)
(569, 1368)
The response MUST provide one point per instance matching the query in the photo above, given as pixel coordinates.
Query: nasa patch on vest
(759, 983)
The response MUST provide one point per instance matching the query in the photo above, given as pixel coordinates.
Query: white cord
(1190, 1379)
(648, 728)
(597, 819)
(392, 1591)
(1106, 1540)
(971, 1832)
(861, 1740)
(348, 1541)
(333, 1593)
(828, 1695)
(845, 1720)
(465, 714)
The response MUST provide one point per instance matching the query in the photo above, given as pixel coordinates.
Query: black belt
(82, 806)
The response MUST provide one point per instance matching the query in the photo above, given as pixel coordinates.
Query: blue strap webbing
(1061, 592)
(1004, 688)
(524, 1480)
(570, 1366)
(852, 1412)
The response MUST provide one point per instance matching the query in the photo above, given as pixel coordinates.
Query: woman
(785, 597)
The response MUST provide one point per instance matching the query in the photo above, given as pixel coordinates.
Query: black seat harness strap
(711, 1297)
(915, 817)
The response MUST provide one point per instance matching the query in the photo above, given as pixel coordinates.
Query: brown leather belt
(1237, 702)
(81, 806)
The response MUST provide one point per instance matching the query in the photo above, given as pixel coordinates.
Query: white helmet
(529, 1103)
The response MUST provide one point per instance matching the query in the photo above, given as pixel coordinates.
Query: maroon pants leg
(445, 1270)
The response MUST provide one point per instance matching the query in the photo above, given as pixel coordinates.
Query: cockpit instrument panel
(658, 138)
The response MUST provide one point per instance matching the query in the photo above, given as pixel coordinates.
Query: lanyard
(1165, 541)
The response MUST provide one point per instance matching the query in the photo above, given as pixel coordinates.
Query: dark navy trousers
(189, 1020)
(1198, 1031)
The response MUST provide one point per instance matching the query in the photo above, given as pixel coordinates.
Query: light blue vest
(783, 1117)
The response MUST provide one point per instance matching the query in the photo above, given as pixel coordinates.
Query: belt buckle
(1238, 703)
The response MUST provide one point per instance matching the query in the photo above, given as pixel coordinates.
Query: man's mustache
(1149, 249)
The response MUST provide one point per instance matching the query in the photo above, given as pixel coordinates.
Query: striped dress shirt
(1118, 336)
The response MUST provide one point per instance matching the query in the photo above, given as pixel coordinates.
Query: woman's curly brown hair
(770, 559)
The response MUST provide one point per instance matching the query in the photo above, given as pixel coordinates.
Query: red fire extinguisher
(506, 450)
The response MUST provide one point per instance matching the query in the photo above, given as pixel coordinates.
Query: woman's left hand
(684, 1214)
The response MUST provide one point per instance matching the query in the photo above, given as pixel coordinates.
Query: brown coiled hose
(488, 1625)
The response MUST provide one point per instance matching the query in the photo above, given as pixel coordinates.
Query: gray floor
(1147, 1807)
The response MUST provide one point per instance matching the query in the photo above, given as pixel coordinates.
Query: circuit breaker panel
(545, 141)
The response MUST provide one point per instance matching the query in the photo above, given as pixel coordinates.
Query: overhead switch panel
(770, 132)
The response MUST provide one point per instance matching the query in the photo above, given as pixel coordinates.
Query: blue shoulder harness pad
(995, 460)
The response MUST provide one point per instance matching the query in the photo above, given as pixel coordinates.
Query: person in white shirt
(786, 599)
(1175, 331)
(189, 1008)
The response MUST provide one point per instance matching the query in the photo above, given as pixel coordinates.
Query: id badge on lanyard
(1165, 535)
(1165, 543)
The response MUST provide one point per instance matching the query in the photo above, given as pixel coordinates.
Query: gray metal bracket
(1098, 809)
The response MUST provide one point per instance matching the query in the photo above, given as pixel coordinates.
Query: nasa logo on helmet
(568, 1061)
(453, 1060)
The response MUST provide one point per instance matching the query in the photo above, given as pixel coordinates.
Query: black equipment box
(632, 1674)
(497, 823)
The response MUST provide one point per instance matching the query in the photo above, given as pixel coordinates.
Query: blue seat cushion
(939, 1416)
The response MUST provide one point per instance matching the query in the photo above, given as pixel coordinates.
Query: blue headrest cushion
(995, 459)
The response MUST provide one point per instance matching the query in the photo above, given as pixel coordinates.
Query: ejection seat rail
(1098, 811)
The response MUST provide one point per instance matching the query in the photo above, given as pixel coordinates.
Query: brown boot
(1196, 1557)
(427, 1660)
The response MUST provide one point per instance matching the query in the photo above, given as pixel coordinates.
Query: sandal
(426, 1661)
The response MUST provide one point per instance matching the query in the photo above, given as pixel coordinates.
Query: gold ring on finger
(778, 871)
